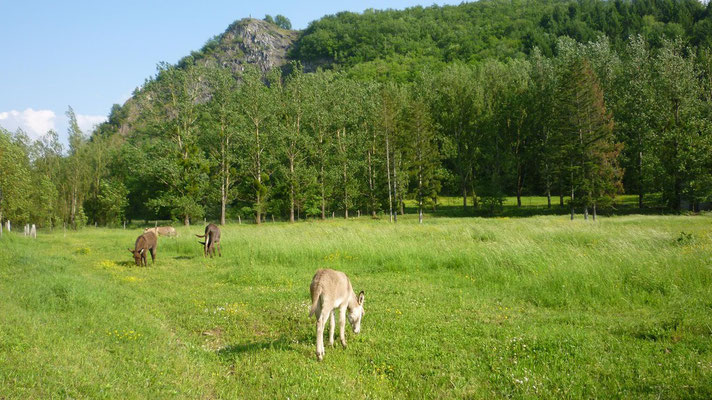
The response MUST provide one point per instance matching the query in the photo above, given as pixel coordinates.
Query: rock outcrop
(252, 41)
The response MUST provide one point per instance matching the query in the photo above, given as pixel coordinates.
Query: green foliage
(584, 134)
(493, 29)
(112, 202)
(282, 22)
(481, 101)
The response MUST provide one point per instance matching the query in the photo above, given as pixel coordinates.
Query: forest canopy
(575, 101)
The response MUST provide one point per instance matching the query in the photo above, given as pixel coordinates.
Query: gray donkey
(212, 240)
(331, 290)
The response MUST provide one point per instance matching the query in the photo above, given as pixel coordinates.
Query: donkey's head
(355, 314)
(137, 255)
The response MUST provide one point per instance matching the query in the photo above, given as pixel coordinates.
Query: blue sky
(92, 54)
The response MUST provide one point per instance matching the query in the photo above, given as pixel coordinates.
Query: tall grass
(472, 308)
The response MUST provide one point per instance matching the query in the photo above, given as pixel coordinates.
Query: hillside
(395, 44)
(496, 29)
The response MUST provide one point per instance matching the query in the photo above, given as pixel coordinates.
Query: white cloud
(37, 122)
(34, 122)
(87, 123)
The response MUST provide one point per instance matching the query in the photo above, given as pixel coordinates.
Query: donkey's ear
(131, 251)
(361, 297)
(203, 243)
(141, 251)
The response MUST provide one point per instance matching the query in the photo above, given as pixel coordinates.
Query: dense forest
(577, 101)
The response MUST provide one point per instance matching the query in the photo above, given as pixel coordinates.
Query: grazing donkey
(145, 243)
(331, 290)
(162, 231)
(212, 240)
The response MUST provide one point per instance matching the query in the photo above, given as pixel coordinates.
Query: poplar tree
(222, 123)
(422, 152)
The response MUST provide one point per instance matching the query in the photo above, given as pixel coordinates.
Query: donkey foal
(331, 290)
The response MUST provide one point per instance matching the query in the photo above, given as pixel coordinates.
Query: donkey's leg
(320, 322)
(342, 325)
(332, 315)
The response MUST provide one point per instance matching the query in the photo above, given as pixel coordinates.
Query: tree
(258, 108)
(543, 84)
(422, 152)
(282, 22)
(76, 171)
(457, 106)
(317, 119)
(222, 123)
(584, 130)
(635, 109)
(683, 127)
(14, 180)
(47, 175)
(173, 158)
(390, 114)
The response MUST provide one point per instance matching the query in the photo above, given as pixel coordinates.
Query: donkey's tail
(315, 301)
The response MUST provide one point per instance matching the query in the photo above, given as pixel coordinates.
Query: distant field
(538, 307)
(451, 206)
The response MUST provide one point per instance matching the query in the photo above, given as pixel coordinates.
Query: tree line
(584, 125)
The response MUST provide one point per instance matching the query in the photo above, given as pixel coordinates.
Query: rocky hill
(249, 41)
(246, 41)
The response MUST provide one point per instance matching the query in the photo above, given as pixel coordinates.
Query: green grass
(451, 206)
(539, 307)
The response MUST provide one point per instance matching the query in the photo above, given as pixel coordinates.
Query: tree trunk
(520, 182)
(258, 204)
(371, 194)
(572, 196)
(342, 145)
(464, 192)
(321, 175)
(291, 188)
(292, 155)
(225, 178)
(420, 186)
(594, 211)
(223, 200)
(72, 215)
(548, 186)
(519, 191)
(186, 220)
(388, 173)
(474, 192)
(640, 178)
(395, 186)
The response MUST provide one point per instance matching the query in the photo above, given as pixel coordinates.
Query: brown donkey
(145, 243)
(212, 240)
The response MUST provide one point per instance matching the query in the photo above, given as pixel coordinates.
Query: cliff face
(247, 41)
(252, 41)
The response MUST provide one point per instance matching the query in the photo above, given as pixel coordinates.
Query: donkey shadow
(126, 264)
(282, 343)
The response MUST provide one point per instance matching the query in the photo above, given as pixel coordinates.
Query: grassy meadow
(538, 307)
